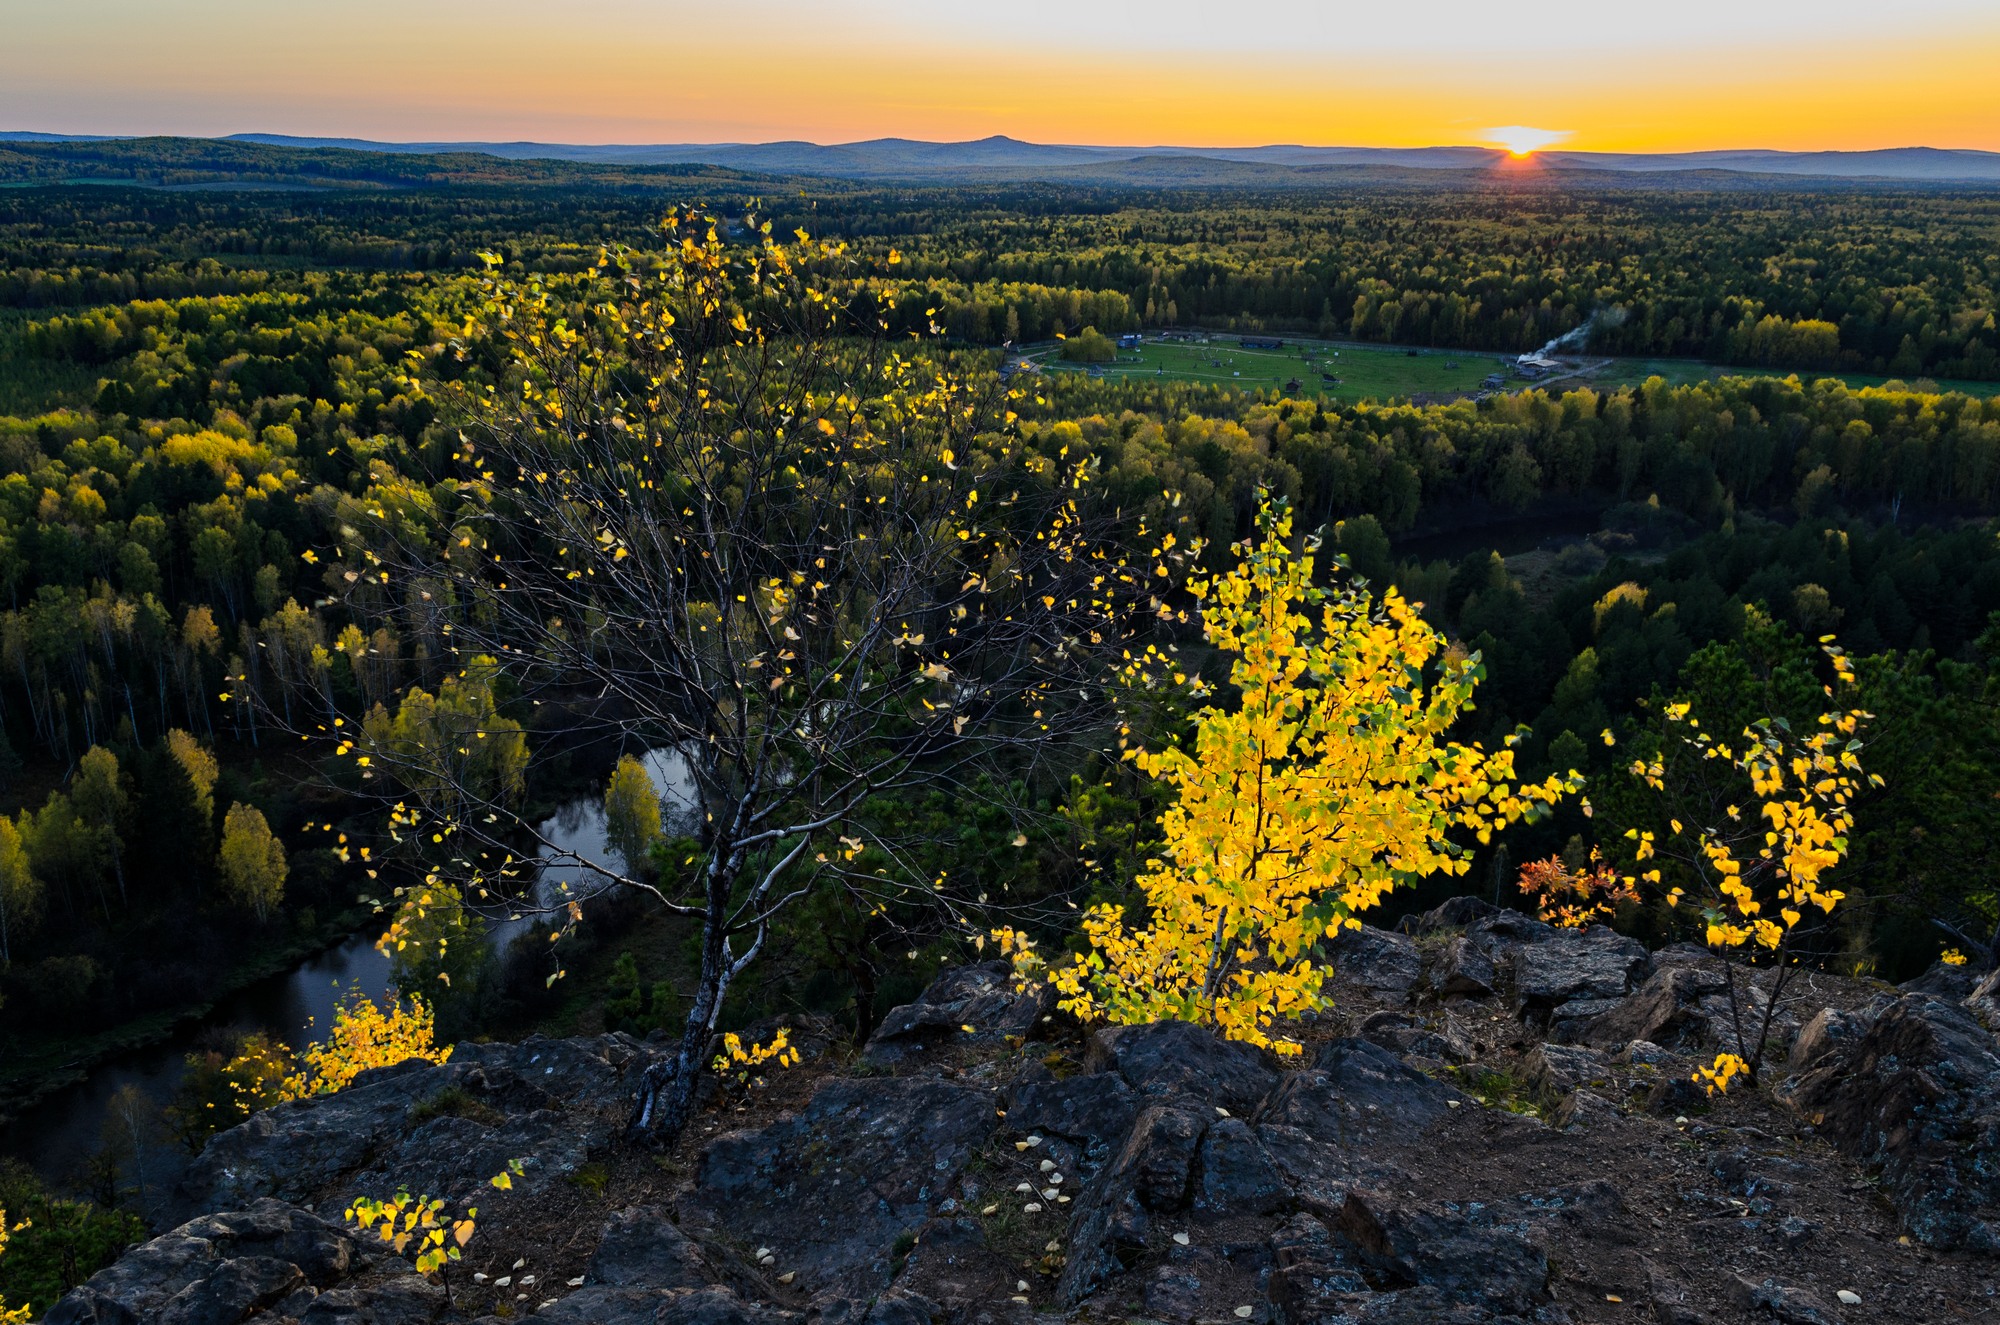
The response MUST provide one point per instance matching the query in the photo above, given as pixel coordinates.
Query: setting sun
(1522, 140)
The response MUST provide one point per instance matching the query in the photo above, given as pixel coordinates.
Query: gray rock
(644, 1248)
(1984, 1001)
(1643, 1053)
(1918, 1093)
(1236, 1176)
(1583, 1111)
(1381, 961)
(1670, 1301)
(1824, 1034)
(1665, 1011)
(1453, 913)
(1401, 1033)
(1092, 1107)
(1317, 1175)
(1153, 1172)
(1185, 1062)
(1313, 1274)
(1501, 928)
(1359, 1095)
(1460, 1259)
(834, 1187)
(269, 1263)
(1771, 1300)
(981, 996)
(1552, 1071)
(1465, 969)
(1594, 963)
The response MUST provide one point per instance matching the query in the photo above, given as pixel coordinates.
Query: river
(59, 1134)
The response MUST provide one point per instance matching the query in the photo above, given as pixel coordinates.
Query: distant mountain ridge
(1003, 158)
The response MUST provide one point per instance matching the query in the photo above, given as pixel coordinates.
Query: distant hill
(905, 157)
(274, 158)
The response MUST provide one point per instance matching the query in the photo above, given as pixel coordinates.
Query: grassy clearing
(1378, 372)
(1366, 372)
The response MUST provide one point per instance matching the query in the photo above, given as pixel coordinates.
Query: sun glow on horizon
(1521, 141)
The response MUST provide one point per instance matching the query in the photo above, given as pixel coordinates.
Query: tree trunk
(668, 1088)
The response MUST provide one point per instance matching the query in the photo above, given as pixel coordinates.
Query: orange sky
(1696, 74)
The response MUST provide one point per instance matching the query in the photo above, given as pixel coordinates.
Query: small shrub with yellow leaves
(418, 1226)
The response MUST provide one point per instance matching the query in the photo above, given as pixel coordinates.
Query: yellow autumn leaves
(364, 1035)
(1328, 785)
(10, 1315)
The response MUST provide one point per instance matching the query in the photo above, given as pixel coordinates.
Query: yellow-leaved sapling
(419, 1228)
(739, 1062)
(1323, 782)
(11, 1315)
(1756, 824)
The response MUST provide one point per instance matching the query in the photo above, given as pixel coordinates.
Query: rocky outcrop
(1917, 1093)
(974, 1005)
(444, 1129)
(271, 1264)
(835, 1187)
(1381, 961)
(1155, 1172)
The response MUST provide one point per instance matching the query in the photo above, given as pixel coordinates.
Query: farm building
(1533, 366)
(1131, 340)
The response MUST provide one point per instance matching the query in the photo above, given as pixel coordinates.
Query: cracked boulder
(1594, 966)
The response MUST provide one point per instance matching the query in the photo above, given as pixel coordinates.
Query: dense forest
(199, 391)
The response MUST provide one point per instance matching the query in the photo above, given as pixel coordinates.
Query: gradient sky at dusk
(1800, 74)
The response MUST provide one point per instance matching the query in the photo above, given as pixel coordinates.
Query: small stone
(1032, 1208)
(1020, 1285)
(503, 1281)
(1181, 1238)
(1021, 1300)
(1048, 1166)
(990, 1210)
(1243, 1313)
(574, 1283)
(788, 1276)
(1848, 1297)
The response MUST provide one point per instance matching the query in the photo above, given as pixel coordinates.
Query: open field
(1376, 372)
(1366, 372)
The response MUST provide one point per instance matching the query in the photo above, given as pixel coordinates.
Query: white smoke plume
(1578, 337)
